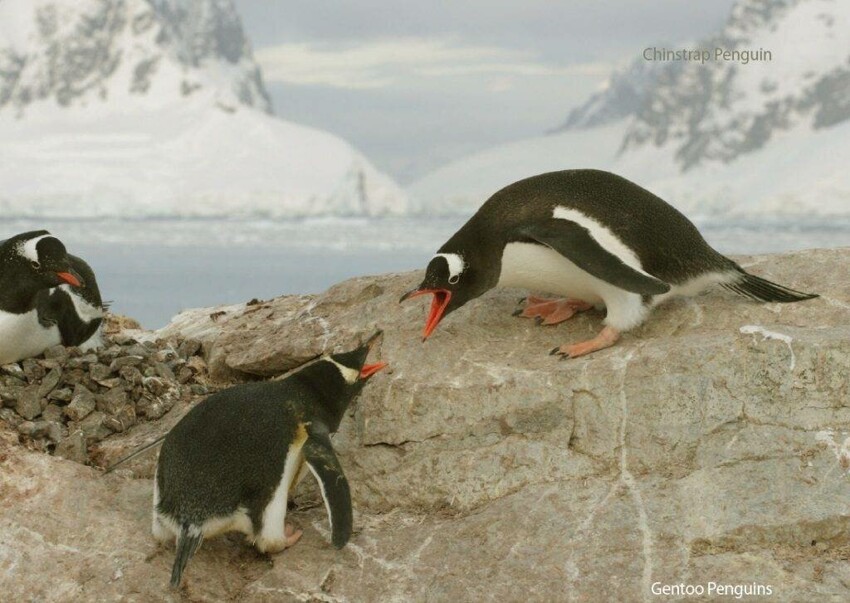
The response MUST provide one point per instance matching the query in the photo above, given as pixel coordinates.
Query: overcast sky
(416, 84)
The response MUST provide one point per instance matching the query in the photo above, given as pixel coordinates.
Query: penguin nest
(66, 400)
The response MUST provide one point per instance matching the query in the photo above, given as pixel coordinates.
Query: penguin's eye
(454, 279)
(35, 264)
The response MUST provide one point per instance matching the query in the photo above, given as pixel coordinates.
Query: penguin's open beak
(438, 307)
(370, 369)
(72, 278)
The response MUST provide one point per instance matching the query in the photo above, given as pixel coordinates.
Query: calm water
(152, 269)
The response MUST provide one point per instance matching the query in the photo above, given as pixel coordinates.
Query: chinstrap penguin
(47, 297)
(589, 235)
(232, 461)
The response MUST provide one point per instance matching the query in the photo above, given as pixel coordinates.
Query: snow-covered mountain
(720, 138)
(137, 108)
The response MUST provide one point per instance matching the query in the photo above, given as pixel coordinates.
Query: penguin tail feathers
(762, 290)
(188, 541)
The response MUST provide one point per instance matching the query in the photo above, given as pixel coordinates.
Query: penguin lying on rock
(232, 461)
(47, 297)
(590, 235)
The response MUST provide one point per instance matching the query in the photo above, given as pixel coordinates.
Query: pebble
(28, 403)
(68, 400)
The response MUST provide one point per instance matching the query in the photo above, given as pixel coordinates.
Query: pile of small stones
(67, 400)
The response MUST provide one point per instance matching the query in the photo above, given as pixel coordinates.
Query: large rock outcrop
(707, 445)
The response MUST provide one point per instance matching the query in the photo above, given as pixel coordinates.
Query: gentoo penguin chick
(231, 462)
(590, 235)
(47, 297)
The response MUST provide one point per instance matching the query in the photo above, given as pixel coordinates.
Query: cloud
(385, 62)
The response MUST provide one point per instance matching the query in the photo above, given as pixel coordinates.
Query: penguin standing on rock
(590, 235)
(47, 297)
(231, 462)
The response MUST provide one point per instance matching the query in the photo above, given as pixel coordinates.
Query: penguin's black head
(41, 256)
(355, 361)
(452, 282)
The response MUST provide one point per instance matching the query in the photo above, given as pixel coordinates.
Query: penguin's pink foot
(276, 545)
(292, 535)
(551, 311)
(606, 338)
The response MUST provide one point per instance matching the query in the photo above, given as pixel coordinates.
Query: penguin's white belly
(22, 336)
(540, 268)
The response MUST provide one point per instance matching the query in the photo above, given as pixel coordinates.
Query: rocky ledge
(710, 445)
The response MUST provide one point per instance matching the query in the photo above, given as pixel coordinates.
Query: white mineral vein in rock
(786, 339)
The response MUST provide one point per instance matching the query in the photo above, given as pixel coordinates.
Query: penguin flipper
(323, 464)
(574, 242)
(55, 307)
(91, 292)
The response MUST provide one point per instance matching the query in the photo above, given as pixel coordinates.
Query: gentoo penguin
(590, 235)
(231, 462)
(47, 297)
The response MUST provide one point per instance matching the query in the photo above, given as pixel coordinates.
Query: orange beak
(69, 278)
(370, 369)
(438, 307)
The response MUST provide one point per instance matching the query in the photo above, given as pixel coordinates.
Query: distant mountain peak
(123, 52)
(722, 109)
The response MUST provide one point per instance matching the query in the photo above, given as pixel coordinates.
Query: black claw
(564, 357)
(538, 320)
(516, 312)
(522, 299)
(554, 351)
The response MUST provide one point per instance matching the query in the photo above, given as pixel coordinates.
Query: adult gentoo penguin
(47, 297)
(231, 462)
(590, 235)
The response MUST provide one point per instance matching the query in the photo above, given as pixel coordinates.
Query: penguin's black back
(668, 245)
(230, 450)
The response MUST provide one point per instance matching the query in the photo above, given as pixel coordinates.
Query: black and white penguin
(590, 235)
(231, 462)
(47, 297)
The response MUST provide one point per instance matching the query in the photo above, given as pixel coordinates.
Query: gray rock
(49, 383)
(710, 444)
(93, 428)
(53, 413)
(188, 348)
(32, 369)
(184, 375)
(14, 369)
(63, 394)
(81, 404)
(58, 352)
(164, 371)
(9, 394)
(28, 403)
(10, 417)
(122, 420)
(130, 375)
(100, 372)
(154, 408)
(123, 361)
(73, 447)
(112, 401)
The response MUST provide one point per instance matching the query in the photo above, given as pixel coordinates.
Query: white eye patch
(28, 248)
(456, 265)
